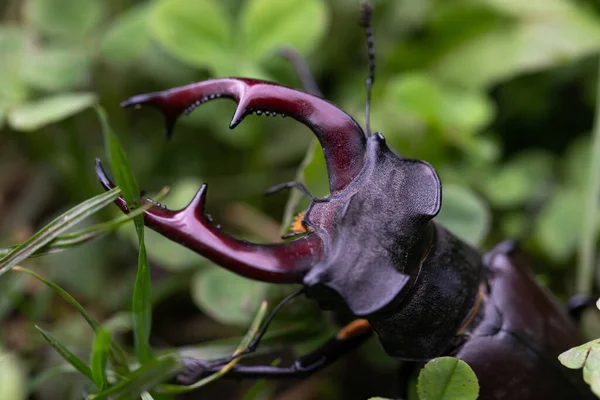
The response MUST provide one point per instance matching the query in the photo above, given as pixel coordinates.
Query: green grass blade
(142, 292)
(48, 374)
(589, 230)
(66, 354)
(118, 357)
(57, 227)
(65, 295)
(295, 196)
(244, 343)
(99, 358)
(142, 305)
(147, 396)
(143, 379)
(64, 242)
(118, 161)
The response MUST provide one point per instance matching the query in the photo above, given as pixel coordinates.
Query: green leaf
(66, 354)
(295, 197)
(128, 37)
(576, 163)
(3, 112)
(447, 378)
(119, 323)
(68, 19)
(210, 350)
(557, 229)
(271, 24)
(521, 179)
(417, 94)
(198, 32)
(12, 377)
(466, 111)
(56, 68)
(35, 115)
(465, 214)
(13, 89)
(214, 114)
(454, 113)
(587, 259)
(440, 105)
(99, 359)
(146, 396)
(55, 228)
(591, 370)
(576, 357)
(143, 379)
(530, 43)
(168, 254)
(595, 383)
(533, 8)
(225, 296)
(315, 171)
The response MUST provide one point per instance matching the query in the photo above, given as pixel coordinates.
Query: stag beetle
(372, 249)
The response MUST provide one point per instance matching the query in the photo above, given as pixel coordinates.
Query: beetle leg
(577, 305)
(288, 185)
(346, 340)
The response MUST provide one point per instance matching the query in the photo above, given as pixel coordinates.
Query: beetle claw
(342, 139)
(193, 370)
(281, 263)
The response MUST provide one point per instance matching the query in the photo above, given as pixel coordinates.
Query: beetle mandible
(372, 249)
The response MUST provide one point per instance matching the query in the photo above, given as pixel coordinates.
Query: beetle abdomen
(514, 348)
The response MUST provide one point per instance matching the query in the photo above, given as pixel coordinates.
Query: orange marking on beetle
(480, 297)
(354, 328)
(297, 225)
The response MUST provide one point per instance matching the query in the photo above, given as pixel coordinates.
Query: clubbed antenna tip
(366, 14)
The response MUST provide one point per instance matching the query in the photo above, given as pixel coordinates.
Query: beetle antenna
(302, 70)
(366, 15)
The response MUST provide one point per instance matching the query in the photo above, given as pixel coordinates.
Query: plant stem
(589, 231)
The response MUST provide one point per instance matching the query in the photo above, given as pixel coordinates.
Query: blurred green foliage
(497, 95)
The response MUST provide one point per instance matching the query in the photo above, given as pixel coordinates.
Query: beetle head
(365, 241)
(375, 232)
